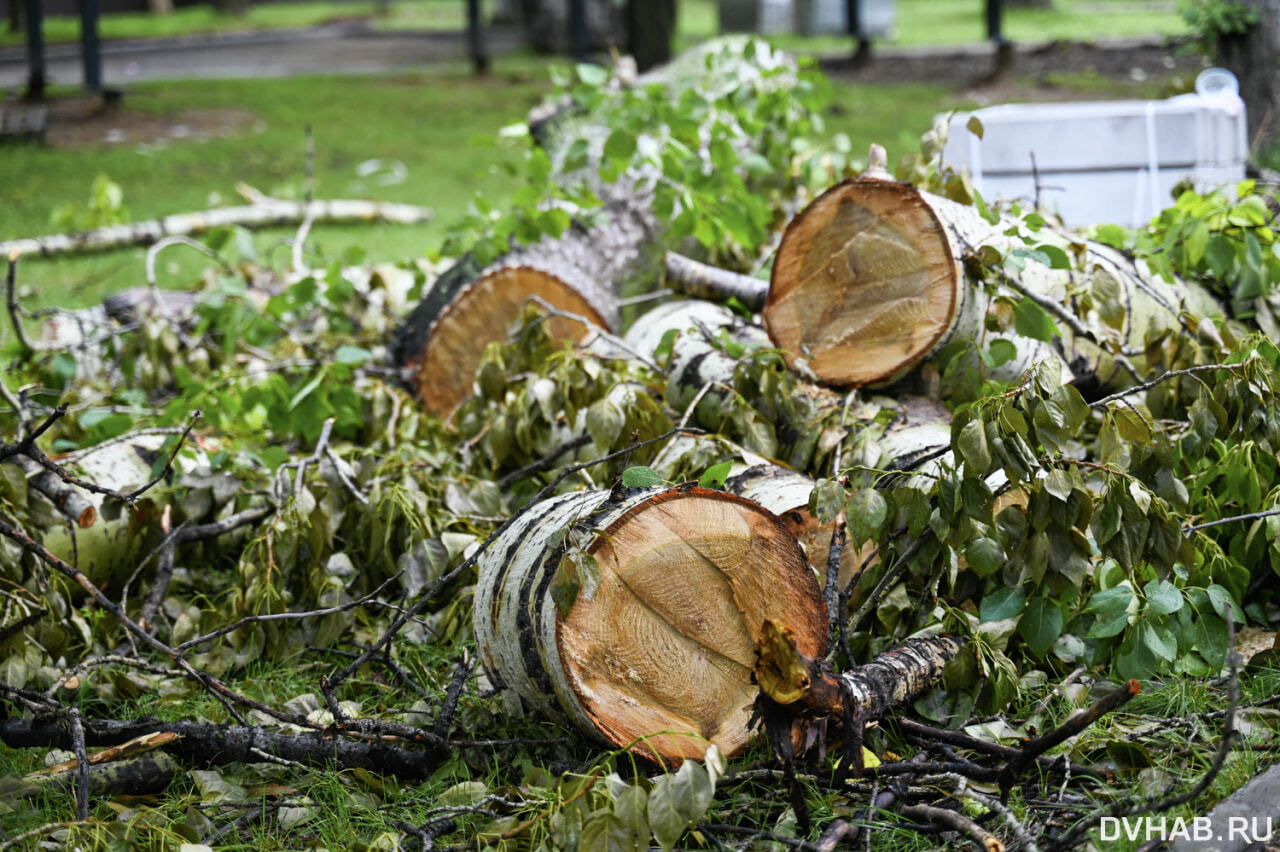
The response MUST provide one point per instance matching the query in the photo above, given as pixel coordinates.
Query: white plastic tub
(1108, 161)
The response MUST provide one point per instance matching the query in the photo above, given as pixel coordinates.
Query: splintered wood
(864, 282)
(657, 646)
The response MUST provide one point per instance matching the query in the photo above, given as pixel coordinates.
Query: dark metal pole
(994, 14)
(90, 45)
(578, 29)
(862, 53)
(35, 49)
(995, 32)
(475, 38)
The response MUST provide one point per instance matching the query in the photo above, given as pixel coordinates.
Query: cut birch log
(590, 266)
(874, 277)
(580, 273)
(265, 213)
(636, 614)
(888, 434)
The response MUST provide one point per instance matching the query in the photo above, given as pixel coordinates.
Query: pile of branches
(197, 490)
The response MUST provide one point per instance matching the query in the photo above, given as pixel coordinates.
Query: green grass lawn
(919, 21)
(401, 14)
(441, 125)
(936, 22)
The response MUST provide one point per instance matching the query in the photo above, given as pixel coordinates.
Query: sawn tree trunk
(637, 613)
(875, 277)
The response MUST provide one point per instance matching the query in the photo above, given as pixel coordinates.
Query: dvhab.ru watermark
(1196, 829)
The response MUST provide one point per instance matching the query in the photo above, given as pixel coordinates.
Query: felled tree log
(636, 613)
(701, 370)
(875, 277)
(265, 213)
(582, 272)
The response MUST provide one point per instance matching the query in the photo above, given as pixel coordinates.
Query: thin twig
(1253, 516)
(887, 582)
(1163, 377)
(177, 240)
(82, 763)
(11, 298)
(1074, 724)
(1152, 804)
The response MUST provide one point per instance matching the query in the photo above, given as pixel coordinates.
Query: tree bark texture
(1254, 57)
(636, 613)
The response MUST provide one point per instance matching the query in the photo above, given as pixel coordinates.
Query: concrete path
(335, 48)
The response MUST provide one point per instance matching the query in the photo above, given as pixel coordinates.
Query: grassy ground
(440, 124)
(189, 20)
(350, 809)
(936, 22)
(919, 21)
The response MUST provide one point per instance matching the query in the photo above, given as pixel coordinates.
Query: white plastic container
(1106, 161)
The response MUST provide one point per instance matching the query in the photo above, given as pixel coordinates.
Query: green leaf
(1030, 320)
(631, 808)
(1111, 601)
(641, 477)
(865, 513)
(665, 819)
(1222, 602)
(974, 126)
(1004, 602)
(1058, 259)
(1040, 625)
(620, 145)
(984, 556)
(693, 791)
(1112, 235)
(973, 449)
(604, 831)
(352, 355)
(1220, 252)
(604, 423)
(1196, 243)
(1163, 597)
(826, 500)
(715, 476)
(1058, 483)
(592, 74)
(1001, 352)
(1160, 642)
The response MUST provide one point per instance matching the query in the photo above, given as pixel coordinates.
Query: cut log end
(661, 654)
(446, 368)
(865, 284)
